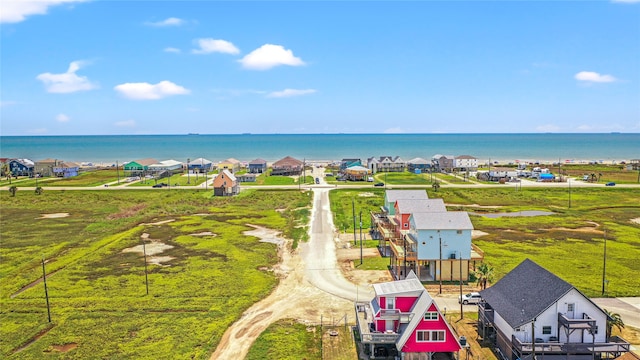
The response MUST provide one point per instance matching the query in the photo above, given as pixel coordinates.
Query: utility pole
(439, 272)
(146, 277)
(188, 178)
(118, 171)
(46, 292)
(569, 181)
(360, 237)
(353, 212)
(604, 264)
(460, 261)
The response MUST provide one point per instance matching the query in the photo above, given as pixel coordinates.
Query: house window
(458, 232)
(570, 307)
(431, 315)
(595, 330)
(546, 330)
(430, 336)
(406, 225)
(391, 303)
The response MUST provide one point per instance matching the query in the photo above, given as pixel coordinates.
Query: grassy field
(569, 243)
(287, 339)
(97, 292)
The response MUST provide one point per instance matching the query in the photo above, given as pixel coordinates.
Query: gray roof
(524, 293)
(421, 205)
(450, 220)
(393, 195)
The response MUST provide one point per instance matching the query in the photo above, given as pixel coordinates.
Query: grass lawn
(97, 291)
(569, 243)
(287, 340)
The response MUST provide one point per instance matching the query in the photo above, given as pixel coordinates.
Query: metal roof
(450, 220)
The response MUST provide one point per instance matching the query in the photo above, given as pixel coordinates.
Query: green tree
(613, 320)
(13, 190)
(484, 274)
(39, 190)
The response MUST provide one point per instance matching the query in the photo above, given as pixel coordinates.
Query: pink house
(403, 320)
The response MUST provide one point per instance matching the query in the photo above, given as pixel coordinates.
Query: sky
(73, 67)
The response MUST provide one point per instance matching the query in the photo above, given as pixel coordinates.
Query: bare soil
(53, 216)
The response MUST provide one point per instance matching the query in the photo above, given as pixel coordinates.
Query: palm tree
(39, 190)
(613, 320)
(13, 190)
(436, 186)
(484, 274)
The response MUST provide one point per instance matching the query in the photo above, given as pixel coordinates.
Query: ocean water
(271, 147)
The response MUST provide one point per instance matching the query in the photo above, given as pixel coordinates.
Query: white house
(531, 311)
(465, 163)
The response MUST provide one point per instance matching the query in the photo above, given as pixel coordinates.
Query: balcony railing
(615, 345)
(365, 325)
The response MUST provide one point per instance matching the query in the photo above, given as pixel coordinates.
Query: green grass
(287, 339)
(372, 263)
(97, 292)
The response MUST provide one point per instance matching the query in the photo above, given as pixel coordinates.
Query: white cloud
(172, 21)
(62, 118)
(172, 50)
(13, 11)
(591, 76)
(268, 56)
(208, 46)
(125, 123)
(290, 93)
(66, 82)
(146, 91)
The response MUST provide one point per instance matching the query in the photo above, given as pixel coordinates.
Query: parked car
(157, 186)
(379, 184)
(611, 183)
(317, 180)
(470, 298)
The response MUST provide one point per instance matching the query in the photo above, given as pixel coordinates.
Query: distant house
(347, 163)
(225, 184)
(418, 164)
(497, 174)
(531, 311)
(258, 166)
(287, 166)
(357, 173)
(403, 321)
(66, 169)
(170, 166)
(45, 167)
(139, 167)
(443, 162)
(200, 165)
(230, 164)
(465, 163)
(386, 164)
(21, 167)
(248, 177)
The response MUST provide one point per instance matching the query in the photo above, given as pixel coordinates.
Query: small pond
(515, 213)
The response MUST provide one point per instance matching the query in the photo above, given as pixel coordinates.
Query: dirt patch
(477, 233)
(32, 284)
(636, 220)
(129, 212)
(159, 222)
(366, 194)
(64, 348)
(53, 216)
(152, 248)
(42, 333)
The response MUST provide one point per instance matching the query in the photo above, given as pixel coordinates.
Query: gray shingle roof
(422, 205)
(450, 220)
(524, 293)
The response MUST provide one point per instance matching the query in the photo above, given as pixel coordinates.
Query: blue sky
(173, 67)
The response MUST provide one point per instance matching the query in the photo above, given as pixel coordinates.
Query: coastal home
(200, 165)
(403, 321)
(498, 174)
(21, 167)
(287, 166)
(258, 166)
(386, 164)
(169, 166)
(418, 165)
(230, 164)
(391, 196)
(45, 167)
(443, 163)
(357, 173)
(465, 163)
(437, 246)
(247, 177)
(66, 169)
(403, 209)
(347, 163)
(532, 313)
(225, 184)
(139, 167)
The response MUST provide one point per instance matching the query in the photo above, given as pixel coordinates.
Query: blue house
(258, 166)
(21, 167)
(66, 169)
(200, 165)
